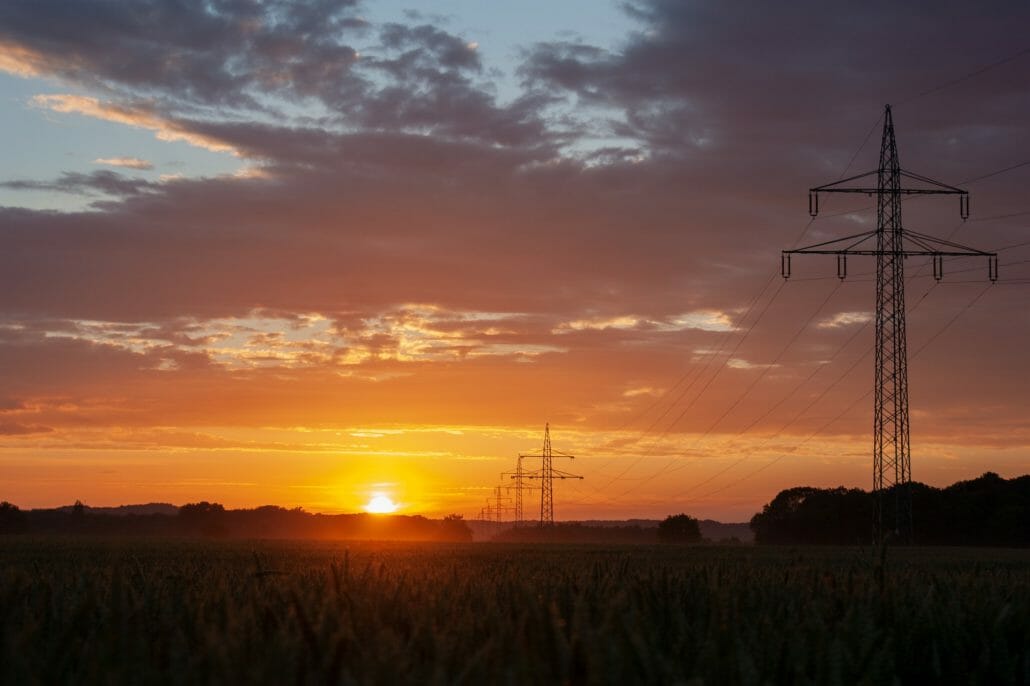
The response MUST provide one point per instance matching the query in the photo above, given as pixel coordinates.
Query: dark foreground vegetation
(988, 511)
(90, 610)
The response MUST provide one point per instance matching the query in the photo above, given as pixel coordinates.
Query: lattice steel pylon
(892, 463)
(520, 476)
(547, 474)
(496, 507)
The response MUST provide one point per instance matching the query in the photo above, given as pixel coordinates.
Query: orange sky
(300, 260)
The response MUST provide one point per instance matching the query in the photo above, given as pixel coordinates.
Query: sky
(302, 253)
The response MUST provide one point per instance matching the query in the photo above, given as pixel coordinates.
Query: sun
(381, 504)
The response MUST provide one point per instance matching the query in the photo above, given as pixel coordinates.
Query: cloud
(265, 62)
(14, 429)
(704, 84)
(270, 340)
(140, 117)
(599, 324)
(411, 249)
(214, 52)
(127, 162)
(104, 182)
(845, 319)
(644, 390)
(701, 320)
(19, 60)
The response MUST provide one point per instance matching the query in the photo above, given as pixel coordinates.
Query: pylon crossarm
(835, 186)
(872, 190)
(936, 187)
(939, 187)
(958, 248)
(823, 248)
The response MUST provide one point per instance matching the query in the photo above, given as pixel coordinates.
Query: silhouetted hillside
(122, 510)
(214, 521)
(988, 511)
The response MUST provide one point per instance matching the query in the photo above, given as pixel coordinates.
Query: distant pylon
(546, 475)
(892, 464)
(497, 506)
(520, 476)
(519, 484)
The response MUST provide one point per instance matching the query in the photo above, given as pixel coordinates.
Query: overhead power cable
(965, 77)
(740, 398)
(837, 417)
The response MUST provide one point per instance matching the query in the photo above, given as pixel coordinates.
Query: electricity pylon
(501, 503)
(520, 476)
(496, 507)
(547, 474)
(890, 243)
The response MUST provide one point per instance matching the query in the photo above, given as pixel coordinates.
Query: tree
(681, 528)
(454, 528)
(12, 519)
(804, 514)
(203, 518)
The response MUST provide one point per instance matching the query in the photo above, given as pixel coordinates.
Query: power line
(896, 211)
(1000, 216)
(847, 167)
(960, 79)
(850, 407)
(815, 401)
(892, 466)
(709, 359)
(740, 398)
(994, 173)
(700, 393)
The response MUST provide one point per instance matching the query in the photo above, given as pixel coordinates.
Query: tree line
(212, 520)
(987, 511)
(679, 528)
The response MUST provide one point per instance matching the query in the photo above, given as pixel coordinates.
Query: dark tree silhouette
(12, 519)
(987, 511)
(454, 528)
(207, 519)
(681, 528)
(815, 515)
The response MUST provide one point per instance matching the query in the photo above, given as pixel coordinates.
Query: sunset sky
(304, 252)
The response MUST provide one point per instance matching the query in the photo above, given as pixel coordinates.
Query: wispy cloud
(126, 162)
(19, 60)
(131, 115)
(704, 320)
(842, 319)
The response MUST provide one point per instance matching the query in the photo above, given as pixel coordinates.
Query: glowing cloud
(19, 61)
(126, 162)
(624, 322)
(136, 117)
(702, 320)
(842, 319)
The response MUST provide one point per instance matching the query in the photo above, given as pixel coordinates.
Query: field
(89, 611)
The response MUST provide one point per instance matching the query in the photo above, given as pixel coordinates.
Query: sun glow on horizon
(381, 504)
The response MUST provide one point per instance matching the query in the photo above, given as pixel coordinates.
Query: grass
(100, 611)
